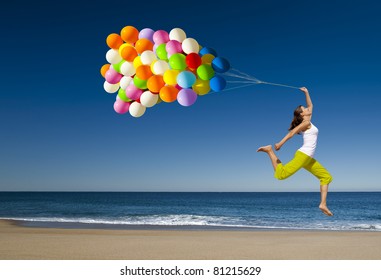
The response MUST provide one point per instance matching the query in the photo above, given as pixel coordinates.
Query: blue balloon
(220, 64)
(206, 50)
(186, 79)
(217, 83)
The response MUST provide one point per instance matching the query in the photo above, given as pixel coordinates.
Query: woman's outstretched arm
(308, 98)
(301, 127)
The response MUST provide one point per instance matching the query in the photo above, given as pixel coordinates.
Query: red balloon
(193, 60)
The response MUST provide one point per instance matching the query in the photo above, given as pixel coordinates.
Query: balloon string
(237, 87)
(280, 85)
(254, 79)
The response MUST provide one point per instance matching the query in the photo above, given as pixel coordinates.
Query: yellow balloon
(207, 58)
(137, 62)
(170, 77)
(201, 87)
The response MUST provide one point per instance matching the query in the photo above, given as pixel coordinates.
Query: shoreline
(18, 242)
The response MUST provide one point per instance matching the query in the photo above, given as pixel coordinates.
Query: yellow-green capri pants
(302, 160)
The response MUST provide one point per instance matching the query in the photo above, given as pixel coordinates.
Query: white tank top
(309, 140)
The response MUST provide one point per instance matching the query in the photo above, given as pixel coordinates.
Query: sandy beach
(27, 243)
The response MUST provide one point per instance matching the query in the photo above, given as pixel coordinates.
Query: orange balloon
(128, 53)
(104, 69)
(129, 34)
(155, 83)
(168, 93)
(143, 72)
(114, 41)
(143, 44)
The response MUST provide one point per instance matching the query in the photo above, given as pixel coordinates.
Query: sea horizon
(162, 210)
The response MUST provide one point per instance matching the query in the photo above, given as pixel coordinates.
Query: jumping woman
(304, 157)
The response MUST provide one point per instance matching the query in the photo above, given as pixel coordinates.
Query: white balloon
(137, 110)
(127, 69)
(148, 99)
(159, 67)
(177, 34)
(190, 45)
(125, 81)
(147, 57)
(110, 88)
(113, 56)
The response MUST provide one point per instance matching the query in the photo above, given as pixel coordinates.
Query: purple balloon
(173, 46)
(186, 97)
(133, 92)
(146, 33)
(112, 76)
(121, 107)
(160, 37)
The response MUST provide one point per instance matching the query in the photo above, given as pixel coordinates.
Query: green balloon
(118, 65)
(161, 52)
(205, 72)
(122, 95)
(177, 61)
(139, 83)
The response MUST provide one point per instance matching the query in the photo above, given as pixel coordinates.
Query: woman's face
(305, 111)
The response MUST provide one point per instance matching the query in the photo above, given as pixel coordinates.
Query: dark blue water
(352, 210)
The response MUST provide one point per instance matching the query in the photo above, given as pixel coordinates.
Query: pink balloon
(121, 107)
(133, 92)
(173, 46)
(160, 37)
(112, 76)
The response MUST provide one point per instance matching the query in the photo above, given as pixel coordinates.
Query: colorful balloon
(104, 69)
(147, 57)
(186, 79)
(170, 76)
(146, 33)
(110, 88)
(217, 83)
(193, 60)
(129, 34)
(127, 69)
(173, 47)
(143, 72)
(113, 57)
(207, 50)
(186, 97)
(125, 81)
(128, 53)
(112, 76)
(140, 83)
(122, 95)
(133, 92)
(149, 99)
(190, 45)
(159, 67)
(143, 44)
(168, 93)
(220, 64)
(114, 41)
(177, 61)
(160, 36)
(161, 51)
(136, 109)
(121, 107)
(177, 34)
(155, 83)
(201, 87)
(205, 72)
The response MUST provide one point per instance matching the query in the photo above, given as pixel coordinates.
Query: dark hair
(298, 119)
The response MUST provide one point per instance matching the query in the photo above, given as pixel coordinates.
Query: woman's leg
(270, 152)
(325, 178)
(323, 203)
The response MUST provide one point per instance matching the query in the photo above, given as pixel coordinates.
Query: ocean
(353, 211)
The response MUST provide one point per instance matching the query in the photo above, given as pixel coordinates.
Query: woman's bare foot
(265, 149)
(325, 210)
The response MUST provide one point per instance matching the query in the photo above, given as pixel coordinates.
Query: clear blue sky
(58, 129)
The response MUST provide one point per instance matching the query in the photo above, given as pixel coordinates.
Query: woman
(301, 124)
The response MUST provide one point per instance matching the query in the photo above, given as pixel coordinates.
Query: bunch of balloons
(147, 67)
